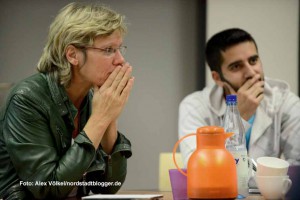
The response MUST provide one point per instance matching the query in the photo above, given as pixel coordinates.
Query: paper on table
(125, 196)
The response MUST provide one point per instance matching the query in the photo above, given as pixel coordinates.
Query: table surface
(167, 195)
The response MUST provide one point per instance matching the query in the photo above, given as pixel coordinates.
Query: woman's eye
(109, 50)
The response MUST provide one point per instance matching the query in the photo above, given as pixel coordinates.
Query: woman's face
(99, 63)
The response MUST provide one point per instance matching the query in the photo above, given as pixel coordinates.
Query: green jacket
(36, 125)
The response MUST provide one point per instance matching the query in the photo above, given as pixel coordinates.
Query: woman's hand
(110, 99)
(108, 102)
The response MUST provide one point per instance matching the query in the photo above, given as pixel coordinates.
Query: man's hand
(249, 95)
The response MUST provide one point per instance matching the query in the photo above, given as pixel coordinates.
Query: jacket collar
(61, 99)
(274, 94)
(58, 94)
(216, 100)
(261, 123)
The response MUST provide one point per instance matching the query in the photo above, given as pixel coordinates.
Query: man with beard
(269, 111)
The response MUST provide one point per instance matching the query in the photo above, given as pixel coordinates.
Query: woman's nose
(119, 59)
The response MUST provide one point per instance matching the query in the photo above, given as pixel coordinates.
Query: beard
(235, 87)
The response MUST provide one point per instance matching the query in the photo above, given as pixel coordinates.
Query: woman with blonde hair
(58, 128)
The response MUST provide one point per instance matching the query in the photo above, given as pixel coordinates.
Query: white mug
(271, 166)
(273, 187)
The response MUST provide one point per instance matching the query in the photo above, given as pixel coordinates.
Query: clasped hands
(107, 104)
(111, 97)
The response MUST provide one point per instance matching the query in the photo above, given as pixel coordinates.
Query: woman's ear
(216, 76)
(72, 55)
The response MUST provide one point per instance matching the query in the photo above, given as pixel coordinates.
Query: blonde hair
(77, 24)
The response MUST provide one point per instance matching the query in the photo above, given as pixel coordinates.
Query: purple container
(294, 175)
(178, 184)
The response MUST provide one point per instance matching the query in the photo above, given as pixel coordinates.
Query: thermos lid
(210, 130)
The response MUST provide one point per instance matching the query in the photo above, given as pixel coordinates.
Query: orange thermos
(211, 170)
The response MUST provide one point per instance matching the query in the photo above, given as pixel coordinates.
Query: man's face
(240, 63)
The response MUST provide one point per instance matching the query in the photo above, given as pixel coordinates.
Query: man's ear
(72, 55)
(216, 76)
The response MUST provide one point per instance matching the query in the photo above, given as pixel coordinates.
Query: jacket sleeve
(33, 150)
(114, 175)
(290, 126)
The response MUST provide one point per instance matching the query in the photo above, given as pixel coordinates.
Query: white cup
(271, 166)
(273, 187)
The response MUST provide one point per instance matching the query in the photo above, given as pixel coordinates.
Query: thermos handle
(175, 148)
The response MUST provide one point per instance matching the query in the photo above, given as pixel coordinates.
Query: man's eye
(253, 61)
(234, 67)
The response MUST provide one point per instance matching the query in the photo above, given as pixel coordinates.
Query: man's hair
(76, 24)
(221, 42)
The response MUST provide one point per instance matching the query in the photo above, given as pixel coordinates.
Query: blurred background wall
(164, 47)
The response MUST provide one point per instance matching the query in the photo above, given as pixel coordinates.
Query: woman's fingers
(112, 96)
(110, 80)
(121, 79)
(122, 84)
(126, 91)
